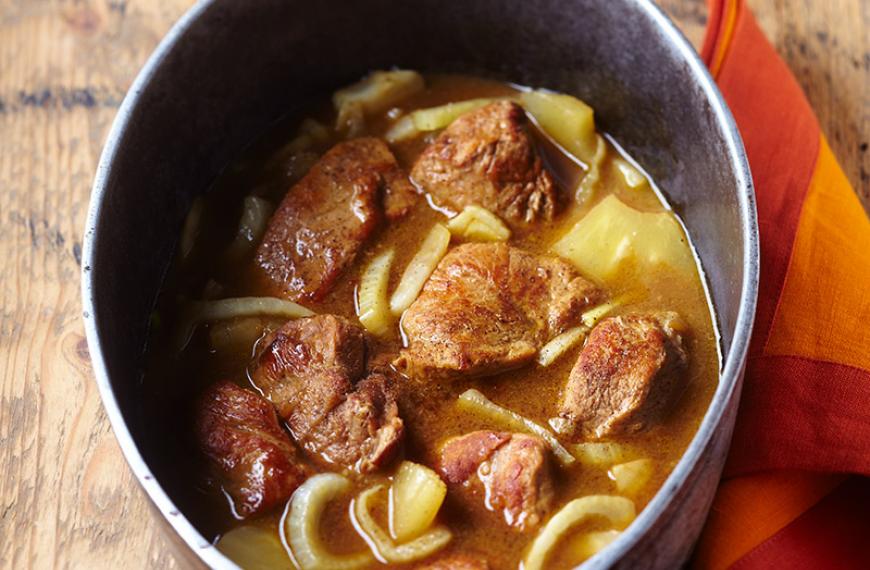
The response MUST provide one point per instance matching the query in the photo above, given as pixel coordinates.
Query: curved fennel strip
(632, 177)
(301, 525)
(377, 92)
(473, 400)
(198, 312)
(477, 223)
(254, 548)
(191, 227)
(587, 545)
(374, 308)
(568, 339)
(432, 119)
(416, 496)
(420, 268)
(619, 511)
(381, 543)
(551, 351)
(593, 175)
(600, 453)
(252, 226)
(591, 317)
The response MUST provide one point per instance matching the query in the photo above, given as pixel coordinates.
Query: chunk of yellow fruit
(567, 119)
(613, 234)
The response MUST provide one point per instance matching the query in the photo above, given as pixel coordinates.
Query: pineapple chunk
(613, 234)
(633, 476)
(415, 498)
(568, 120)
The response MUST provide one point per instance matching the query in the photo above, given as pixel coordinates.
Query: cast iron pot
(229, 69)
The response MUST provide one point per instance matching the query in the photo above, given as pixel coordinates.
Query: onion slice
(420, 268)
(199, 312)
(302, 525)
(383, 546)
(473, 400)
(551, 351)
(619, 511)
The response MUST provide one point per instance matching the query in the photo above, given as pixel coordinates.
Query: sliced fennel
(551, 351)
(477, 223)
(431, 119)
(619, 512)
(377, 92)
(473, 400)
(302, 525)
(252, 226)
(198, 312)
(374, 308)
(420, 268)
(384, 546)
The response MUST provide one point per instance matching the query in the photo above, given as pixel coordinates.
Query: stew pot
(229, 69)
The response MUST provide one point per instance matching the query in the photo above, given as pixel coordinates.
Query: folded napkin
(795, 492)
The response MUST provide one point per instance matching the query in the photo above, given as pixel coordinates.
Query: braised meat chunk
(314, 371)
(511, 470)
(325, 219)
(488, 308)
(487, 157)
(257, 463)
(625, 377)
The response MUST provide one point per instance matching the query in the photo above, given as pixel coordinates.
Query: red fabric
(832, 534)
(785, 420)
(781, 136)
(806, 395)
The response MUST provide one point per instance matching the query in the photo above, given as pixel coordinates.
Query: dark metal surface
(230, 69)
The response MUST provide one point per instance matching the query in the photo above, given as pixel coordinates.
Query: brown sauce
(430, 413)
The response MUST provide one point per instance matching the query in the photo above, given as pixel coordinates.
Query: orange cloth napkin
(787, 499)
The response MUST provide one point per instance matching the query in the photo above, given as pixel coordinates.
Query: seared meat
(456, 562)
(488, 308)
(625, 376)
(486, 157)
(238, 431)
(326, 218)
(313, 370)
(511, 470)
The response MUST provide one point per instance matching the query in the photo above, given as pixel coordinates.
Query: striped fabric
(796, 492)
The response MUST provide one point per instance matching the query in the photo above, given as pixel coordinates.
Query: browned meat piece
(511, 470)
(625, 376)
(486, 157)
(313, 370)
(327, 216)
(456, 562)
(488, 308)
(239, 432)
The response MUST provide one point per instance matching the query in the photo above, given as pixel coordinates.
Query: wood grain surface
(67, 498)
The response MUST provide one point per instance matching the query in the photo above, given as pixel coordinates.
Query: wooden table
(67, 497)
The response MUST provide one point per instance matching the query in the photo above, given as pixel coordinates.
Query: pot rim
(730, 377)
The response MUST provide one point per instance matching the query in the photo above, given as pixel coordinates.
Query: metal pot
(228, 69)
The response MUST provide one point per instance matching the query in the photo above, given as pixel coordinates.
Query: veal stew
(431, 322)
